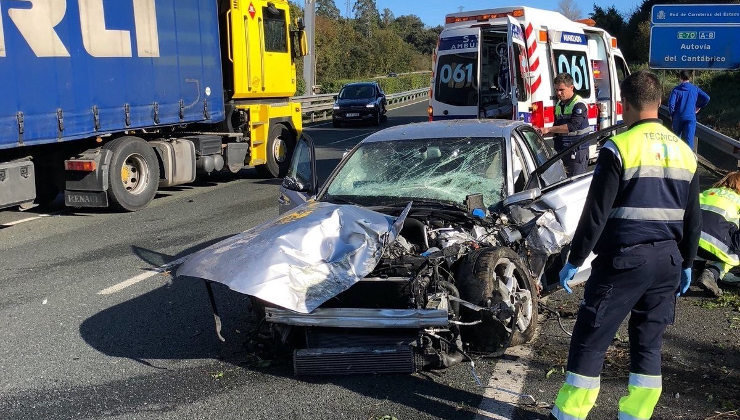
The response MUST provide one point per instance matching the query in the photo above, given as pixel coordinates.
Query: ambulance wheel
(280, 145)
(486, 286)
(133, 176)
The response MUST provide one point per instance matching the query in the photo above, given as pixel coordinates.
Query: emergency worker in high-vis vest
(571, 124)
(720, 237)
(642, 220)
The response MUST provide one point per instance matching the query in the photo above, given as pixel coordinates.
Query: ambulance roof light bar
(484, 17)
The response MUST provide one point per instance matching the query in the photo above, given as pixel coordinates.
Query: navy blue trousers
(686, 129)
(641, 280)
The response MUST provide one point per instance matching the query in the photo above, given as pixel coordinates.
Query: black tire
(280, 145)
(133, 177)
(482, 288)
(378, 118)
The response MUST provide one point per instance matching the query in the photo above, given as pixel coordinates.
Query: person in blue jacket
(684, 103)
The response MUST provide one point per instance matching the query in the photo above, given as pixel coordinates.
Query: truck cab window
(276, 31)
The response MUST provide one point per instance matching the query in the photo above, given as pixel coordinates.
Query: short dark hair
(684, 75)
(564, 78)
(642, 90)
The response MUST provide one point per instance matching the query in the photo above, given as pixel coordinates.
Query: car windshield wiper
(421, 203)
(339, 200)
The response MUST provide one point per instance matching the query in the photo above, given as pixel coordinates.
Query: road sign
(695, 36)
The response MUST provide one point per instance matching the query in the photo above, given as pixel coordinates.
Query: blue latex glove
(566, 275)
(685, 281)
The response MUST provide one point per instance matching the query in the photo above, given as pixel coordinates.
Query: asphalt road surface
(94, 325)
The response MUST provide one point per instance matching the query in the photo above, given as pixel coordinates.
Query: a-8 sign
(695, 36)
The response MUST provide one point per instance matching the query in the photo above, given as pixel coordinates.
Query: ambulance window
(276, 33)
(521, 68)
(622, 71)
(576, 64)
(457, 79)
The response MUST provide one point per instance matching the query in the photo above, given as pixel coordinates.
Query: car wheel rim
(518, 296)
(135, 174)
(279, 150)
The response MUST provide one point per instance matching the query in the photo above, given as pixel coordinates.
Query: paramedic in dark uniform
(571, 124)
(642, 220)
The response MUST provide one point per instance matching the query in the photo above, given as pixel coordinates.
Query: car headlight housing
(336, 107)
(370, 106)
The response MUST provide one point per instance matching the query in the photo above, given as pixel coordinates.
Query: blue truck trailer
(109, 100)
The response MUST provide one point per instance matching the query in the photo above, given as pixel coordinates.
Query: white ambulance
(500, 63)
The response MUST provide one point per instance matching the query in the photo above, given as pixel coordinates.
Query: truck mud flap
(85, 198)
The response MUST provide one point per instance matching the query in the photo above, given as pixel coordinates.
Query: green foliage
(390, 85)
(327, 9)
(609, 20)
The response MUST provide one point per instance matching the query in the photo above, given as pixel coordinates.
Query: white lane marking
(504, 391)
(141, 277)
(27, 219)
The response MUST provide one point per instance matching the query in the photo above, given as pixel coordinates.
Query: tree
(387, 18)
(327, 9)
(366, 12)
(569, 9)
(609, 20)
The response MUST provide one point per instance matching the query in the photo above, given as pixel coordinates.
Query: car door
(300, 183)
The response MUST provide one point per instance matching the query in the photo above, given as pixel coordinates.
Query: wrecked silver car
(428, 243)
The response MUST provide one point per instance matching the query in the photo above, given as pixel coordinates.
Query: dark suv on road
(363, 101)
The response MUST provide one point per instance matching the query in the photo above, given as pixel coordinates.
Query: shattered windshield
(444, 170)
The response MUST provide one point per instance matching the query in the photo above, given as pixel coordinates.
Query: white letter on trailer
(99, 41)
(2, 35)
(37, 26)
(147, 34)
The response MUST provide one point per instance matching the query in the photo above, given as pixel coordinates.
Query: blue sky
(432, 12)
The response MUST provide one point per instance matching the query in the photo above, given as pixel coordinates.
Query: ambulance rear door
(621, 71)
(456, 76)
(518, 70)
(570, 55)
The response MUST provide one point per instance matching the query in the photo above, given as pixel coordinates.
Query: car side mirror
(292, 184)
(526, 195)
(336, 97)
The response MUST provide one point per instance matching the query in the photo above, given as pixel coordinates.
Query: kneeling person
(720, 236)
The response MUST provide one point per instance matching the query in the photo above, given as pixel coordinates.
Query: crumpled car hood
(301, 259)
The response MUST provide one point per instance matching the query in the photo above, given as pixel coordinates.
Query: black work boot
(709, 283)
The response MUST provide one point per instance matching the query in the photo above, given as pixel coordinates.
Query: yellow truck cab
(260, 78)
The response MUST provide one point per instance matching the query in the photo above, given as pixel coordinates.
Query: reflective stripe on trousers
(576, 397)
(644, 392)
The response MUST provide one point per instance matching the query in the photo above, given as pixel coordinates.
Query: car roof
(360, 84)
(446, 129)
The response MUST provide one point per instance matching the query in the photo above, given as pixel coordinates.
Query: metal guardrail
(320, 107)
(719, 141)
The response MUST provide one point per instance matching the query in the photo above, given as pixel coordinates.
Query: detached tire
(133, 177)
(485, 286)
(280, 145)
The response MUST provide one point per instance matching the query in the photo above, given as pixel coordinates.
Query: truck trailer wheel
(133, 176)
(280, 145)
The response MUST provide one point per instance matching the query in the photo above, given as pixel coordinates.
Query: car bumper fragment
(360, 318)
